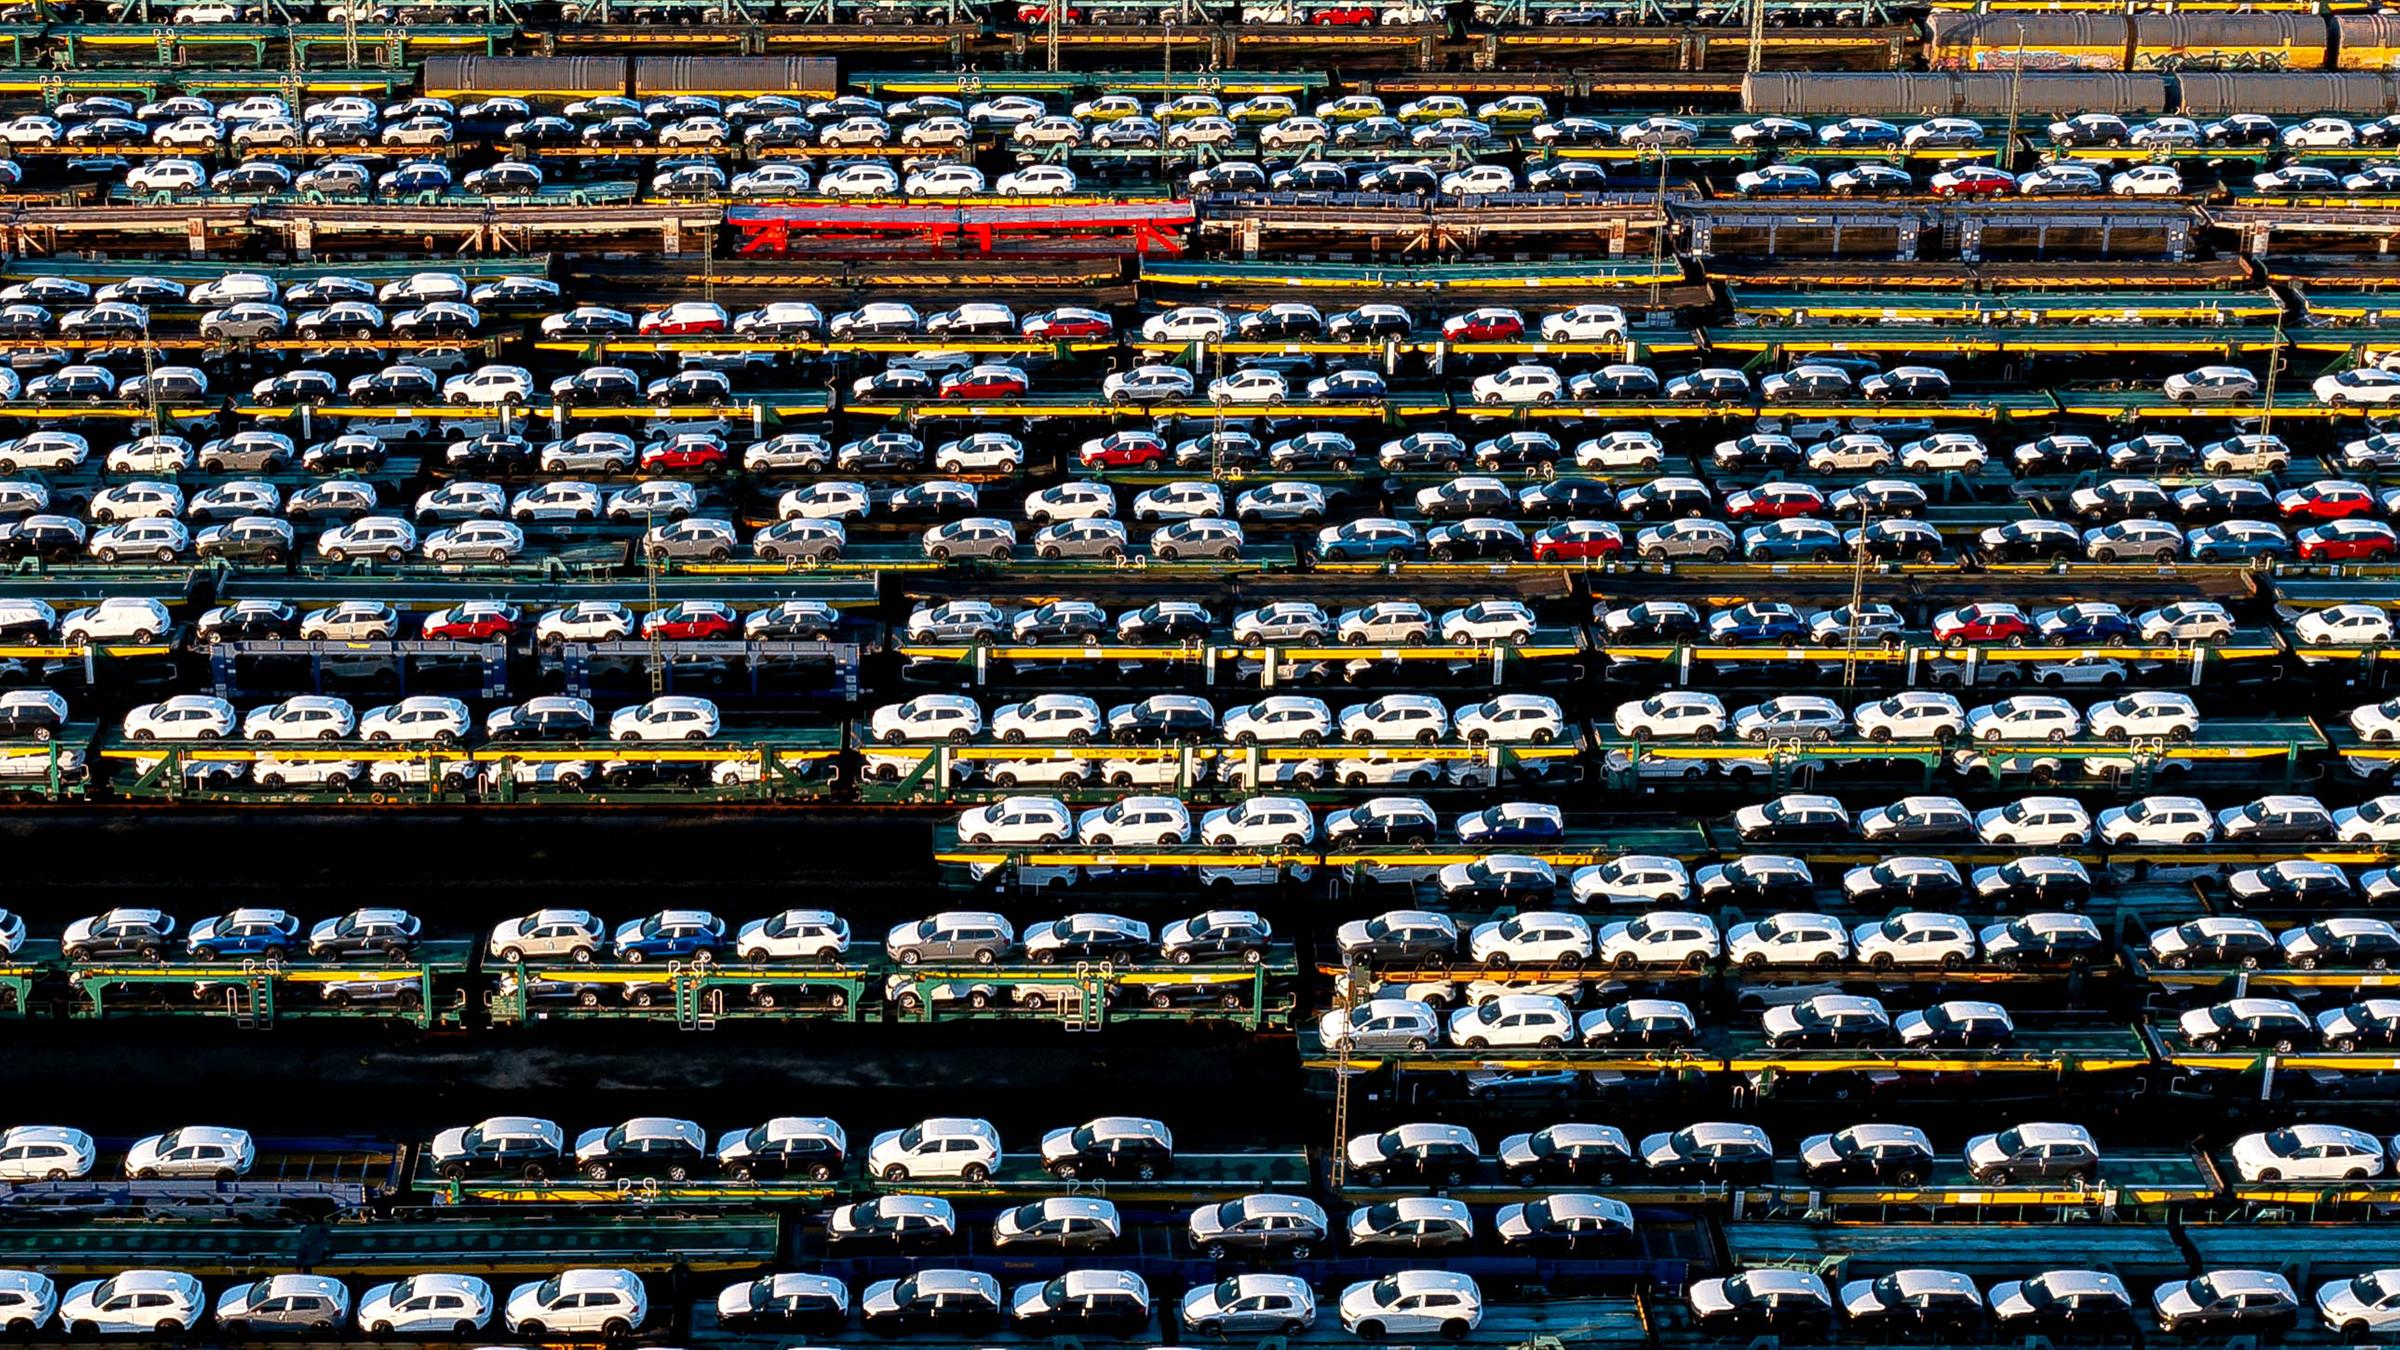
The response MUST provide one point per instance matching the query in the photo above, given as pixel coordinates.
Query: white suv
(605, 1302)
(943, 1146)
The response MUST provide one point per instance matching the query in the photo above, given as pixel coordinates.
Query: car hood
(1708, 1296)
(1059, 1143)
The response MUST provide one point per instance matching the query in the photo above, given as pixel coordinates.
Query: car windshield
(2283, 1141)
(547, 1294)
(2011, 1142)
(2375, 1286)
(912, 1137)
(1380, 1217)
(1387, 1289)
(1227, 1291)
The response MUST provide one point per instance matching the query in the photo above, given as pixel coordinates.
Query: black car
(2031, 541)
(785, 1147)
(956, 1301)
(2028, 884)
(1112, 1146)
(1406, 938)
(2225, 499)
(1653, 621)
(648, 1147)
(50, 538)
(263, 540)
(1105, 1302)
(1151, 724)
(1568, 498)
(1166, 621)
(540, 720)
(2124, 499)
(35, 713)
(2249, 1023)
(492, 453)
(1592, 1154)
(1477, 539)
(1383, 821)
(1940, 1303)
(1086, 937)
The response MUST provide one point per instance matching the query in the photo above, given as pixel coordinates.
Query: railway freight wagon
(2195, 93)
(2166, 43)
(1954, 94)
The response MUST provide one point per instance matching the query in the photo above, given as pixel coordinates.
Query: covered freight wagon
(2230, 42)
(568, 77)
(2366, 42)
(2285, 93)
(2027, 41)
(736, 76)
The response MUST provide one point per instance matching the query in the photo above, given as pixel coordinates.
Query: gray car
(285, 1303)
(1089, 538)
(954, 935)
(704, 537)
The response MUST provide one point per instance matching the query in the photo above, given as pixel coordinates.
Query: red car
(1484, 325)
(1122, 450)
(986, 382)
(692, 621)
(2327, 499)
(1069, 323)
(473, 621)
(686, 317)
(1343, 16)
(1578, 541)
(2349, 541)
(1972, 182)
(1776, 501)
(1041, 14)
(1982, 623)
(695, 453)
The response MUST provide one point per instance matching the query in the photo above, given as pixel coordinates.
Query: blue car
(2084, 625)
(1758, 621)
(1364, 540)
(670, 935)
(2238, 541)
(252, 933)
(1785, 540)
(1512, 823)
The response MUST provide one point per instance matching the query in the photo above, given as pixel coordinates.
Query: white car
(2146, 714)
(133, 1302)
(1631, 879)
(2045, 821)
(1414, 1302)
(1532, 938)
(1790, 938)
(184, 717)
(1914, 938)
(927, 717)
(123, 618)
(2308, 1152)
(606, 1302)
(195, 1151)
(1519, 385)
(942, 1146)
(793, 935)
(1017, 820)
(45, 1153)
(1488, 621)
(436, 1303)
(2158, 820)
(1260, 822)
(1676, 714)
(1513, 1021)
(2027, 717)
(1910, 716)
(2362, 1309)
(1660, 937)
